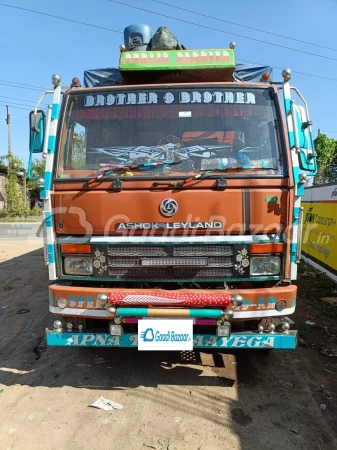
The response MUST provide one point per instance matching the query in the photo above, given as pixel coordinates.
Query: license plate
(165, 334)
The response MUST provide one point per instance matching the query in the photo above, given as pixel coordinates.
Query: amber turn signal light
(76, 248)
(266, 248)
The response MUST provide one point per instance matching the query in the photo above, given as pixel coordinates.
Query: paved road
(212, 400)
(19, 230)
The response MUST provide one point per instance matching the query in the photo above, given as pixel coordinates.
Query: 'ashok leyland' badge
(168, 207)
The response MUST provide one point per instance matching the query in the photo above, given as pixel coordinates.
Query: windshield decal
(168, 98)
(159, 153)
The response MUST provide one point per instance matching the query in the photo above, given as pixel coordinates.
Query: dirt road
(171, 401)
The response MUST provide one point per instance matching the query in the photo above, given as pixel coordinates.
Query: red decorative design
(168, 298)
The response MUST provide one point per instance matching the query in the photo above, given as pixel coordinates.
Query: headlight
(265, 265)
(78, 265)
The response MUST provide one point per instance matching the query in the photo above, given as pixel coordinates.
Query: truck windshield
(197, 129)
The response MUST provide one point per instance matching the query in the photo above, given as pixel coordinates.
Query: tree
(37, 171)
(326, 149)
(13, 193)
(79, 149)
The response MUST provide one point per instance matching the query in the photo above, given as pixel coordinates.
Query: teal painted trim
(296, 216)
(291, 137)
(47, 180)
(55, 111)
(48, 218)
(161, 280)
(51, 144)
(206, 313)
(194, 313)
(43, 193)
(299, 186)
(130, 312)
(287, 105)
(247, 340)
(51, 253)
(293, 252)
(303, 141)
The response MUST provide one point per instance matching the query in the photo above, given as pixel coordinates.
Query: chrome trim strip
(102, 313)
(180, 239)
(78, 312)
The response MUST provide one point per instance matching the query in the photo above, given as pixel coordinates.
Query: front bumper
(246, 340)
(257, 303)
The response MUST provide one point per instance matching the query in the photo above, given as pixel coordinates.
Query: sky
(33, 46)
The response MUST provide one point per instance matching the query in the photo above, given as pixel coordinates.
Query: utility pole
(319, 132)
(24, 185)
(8, 121)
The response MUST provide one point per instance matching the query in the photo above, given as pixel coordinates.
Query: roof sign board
(177, 60)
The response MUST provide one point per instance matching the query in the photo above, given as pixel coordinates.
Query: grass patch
(8, 219)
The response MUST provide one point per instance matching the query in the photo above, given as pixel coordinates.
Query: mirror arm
(30, 162)
(296, 137)
(40, 100)
(45, 142)
(304, 102)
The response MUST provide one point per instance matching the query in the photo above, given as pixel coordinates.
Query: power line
(12, 103)
(17, 107)
(293, 71)
(61, 18)
(327, 131)
(245, 26)
(222, 31)
(22, 84)
(20, 87)
(22, 100)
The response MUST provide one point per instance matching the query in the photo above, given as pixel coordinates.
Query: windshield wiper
(124, 169)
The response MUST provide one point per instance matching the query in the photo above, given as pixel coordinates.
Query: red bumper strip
(169, 298)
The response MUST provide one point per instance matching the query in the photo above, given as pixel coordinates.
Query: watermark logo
(147, 335)
(165, 334)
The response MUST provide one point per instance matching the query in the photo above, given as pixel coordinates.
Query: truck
(172, 203)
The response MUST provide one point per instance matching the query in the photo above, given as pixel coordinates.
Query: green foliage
(326, 149)
(13, 193)
(37, 171)
(15, 203)
(79, 149)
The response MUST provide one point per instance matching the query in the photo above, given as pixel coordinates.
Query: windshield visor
(187, 131)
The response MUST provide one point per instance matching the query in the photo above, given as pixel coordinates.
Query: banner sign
(319, 238)
(177, 59)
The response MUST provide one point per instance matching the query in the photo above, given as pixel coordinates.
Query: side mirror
(37, 123)
(303, 141)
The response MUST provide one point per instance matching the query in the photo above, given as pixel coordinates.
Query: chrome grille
(126, 261)
(203, 250)
(134, 250)
(194, 272)
(138, 272)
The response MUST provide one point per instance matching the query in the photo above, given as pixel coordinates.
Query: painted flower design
(243, 261)
(99, 262)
